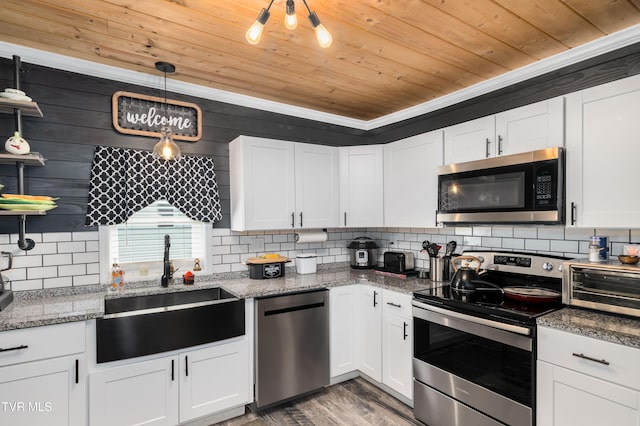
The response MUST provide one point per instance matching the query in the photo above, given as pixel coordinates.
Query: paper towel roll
(311, 237)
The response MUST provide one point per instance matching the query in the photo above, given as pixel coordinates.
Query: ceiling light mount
(254, 33)
(166, 148)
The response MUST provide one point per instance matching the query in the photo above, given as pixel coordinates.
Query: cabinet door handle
(375, 293)
(15, 348)
(345, 218)
(488, 145)
(499, 145)
(573, 213)
(588, 358)
(405, 330)
(300, 219)
(395, 305)
(77, 371)
(436, 218)
(173, 370)
(293, 219)
(186, 365)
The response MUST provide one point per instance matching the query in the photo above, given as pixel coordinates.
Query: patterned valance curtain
(124, 181)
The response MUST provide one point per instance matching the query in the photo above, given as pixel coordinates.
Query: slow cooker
(363, 253)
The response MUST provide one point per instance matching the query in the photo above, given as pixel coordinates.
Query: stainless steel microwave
(518, 188)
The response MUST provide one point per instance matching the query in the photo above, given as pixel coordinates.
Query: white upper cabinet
(279, 184)
(528, 128)
(317, 186)
(468, 141)
(602, 155)
(361, 182)
(411, 180)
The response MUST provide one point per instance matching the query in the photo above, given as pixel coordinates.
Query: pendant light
(254, 33)
(166, 148)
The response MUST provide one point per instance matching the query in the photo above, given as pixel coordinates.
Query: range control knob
(547, 266)
(559, 267)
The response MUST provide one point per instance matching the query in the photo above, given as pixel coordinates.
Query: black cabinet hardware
(293, 219)
(300, 219)
(588, 358)
(573, 213)
(345, 218)
(404, 330)
(499, 145)
(375, 293)
(395, 305)
(488, 145)
(77, 371)
(15, 348)
(173, 370)
(186, 365)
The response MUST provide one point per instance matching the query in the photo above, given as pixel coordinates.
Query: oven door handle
(495, 324)
(512, 335)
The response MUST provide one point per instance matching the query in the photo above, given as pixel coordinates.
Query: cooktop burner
(500, 272)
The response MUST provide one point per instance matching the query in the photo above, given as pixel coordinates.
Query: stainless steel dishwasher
(292, 346)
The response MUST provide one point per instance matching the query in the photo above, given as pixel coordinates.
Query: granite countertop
(46, 307)
(598, 325)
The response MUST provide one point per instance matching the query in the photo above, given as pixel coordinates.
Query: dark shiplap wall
(77, 117)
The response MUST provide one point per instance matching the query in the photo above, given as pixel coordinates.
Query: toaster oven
(605, 286)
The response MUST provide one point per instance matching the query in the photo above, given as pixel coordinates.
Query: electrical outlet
(257, 245)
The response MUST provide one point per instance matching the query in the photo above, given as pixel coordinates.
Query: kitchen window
(138, 244)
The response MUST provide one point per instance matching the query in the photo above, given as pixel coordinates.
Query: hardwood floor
(355, 402)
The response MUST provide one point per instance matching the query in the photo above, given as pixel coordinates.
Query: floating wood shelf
(30, 109)
(31, 159)
(22, 213)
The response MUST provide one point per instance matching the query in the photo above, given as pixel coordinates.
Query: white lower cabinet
(43, 379)
(585, 381)
(344, 324)
(372, 331)
(213, 379)
(172, 389)
(397, 342)
(139, 393)
(50, 392)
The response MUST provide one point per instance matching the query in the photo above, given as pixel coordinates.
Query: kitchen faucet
(167, 275)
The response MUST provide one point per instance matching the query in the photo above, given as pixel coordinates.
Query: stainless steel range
(474, 347)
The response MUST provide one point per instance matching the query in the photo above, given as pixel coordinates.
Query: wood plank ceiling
(386, 55)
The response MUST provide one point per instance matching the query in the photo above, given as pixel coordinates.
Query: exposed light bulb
(323, 36)
(290, 19)
(166, 148)
(254, 33)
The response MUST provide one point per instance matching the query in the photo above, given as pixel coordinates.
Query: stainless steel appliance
(519, 188)
(292, 346)
(363, 253)
(606, 286)
(474, 348)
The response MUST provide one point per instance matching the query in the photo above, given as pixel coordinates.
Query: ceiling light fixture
(166, 148)
(254, 33)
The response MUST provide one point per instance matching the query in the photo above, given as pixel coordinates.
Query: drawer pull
(395, 305)
(14, 348)
(404, 330)
(588, 358)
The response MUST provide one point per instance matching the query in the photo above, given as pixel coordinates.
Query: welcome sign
(143, 115)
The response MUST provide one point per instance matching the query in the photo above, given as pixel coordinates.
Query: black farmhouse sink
(144, 325)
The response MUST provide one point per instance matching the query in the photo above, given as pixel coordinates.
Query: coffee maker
(6, 294)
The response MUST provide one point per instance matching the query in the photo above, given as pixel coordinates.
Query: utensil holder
(436, 268)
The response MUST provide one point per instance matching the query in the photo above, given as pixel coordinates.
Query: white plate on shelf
(14, 91)
(15, 97)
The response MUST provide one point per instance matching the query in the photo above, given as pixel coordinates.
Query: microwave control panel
(545, 190)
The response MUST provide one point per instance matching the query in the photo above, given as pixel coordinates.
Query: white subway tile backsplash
(70, 270)
(85, 236)
(56, 259)
(537, 245)
(42, 272)
(65, 259)
(79, 280)
(90, 257)
(525, 232)
(56, 237)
